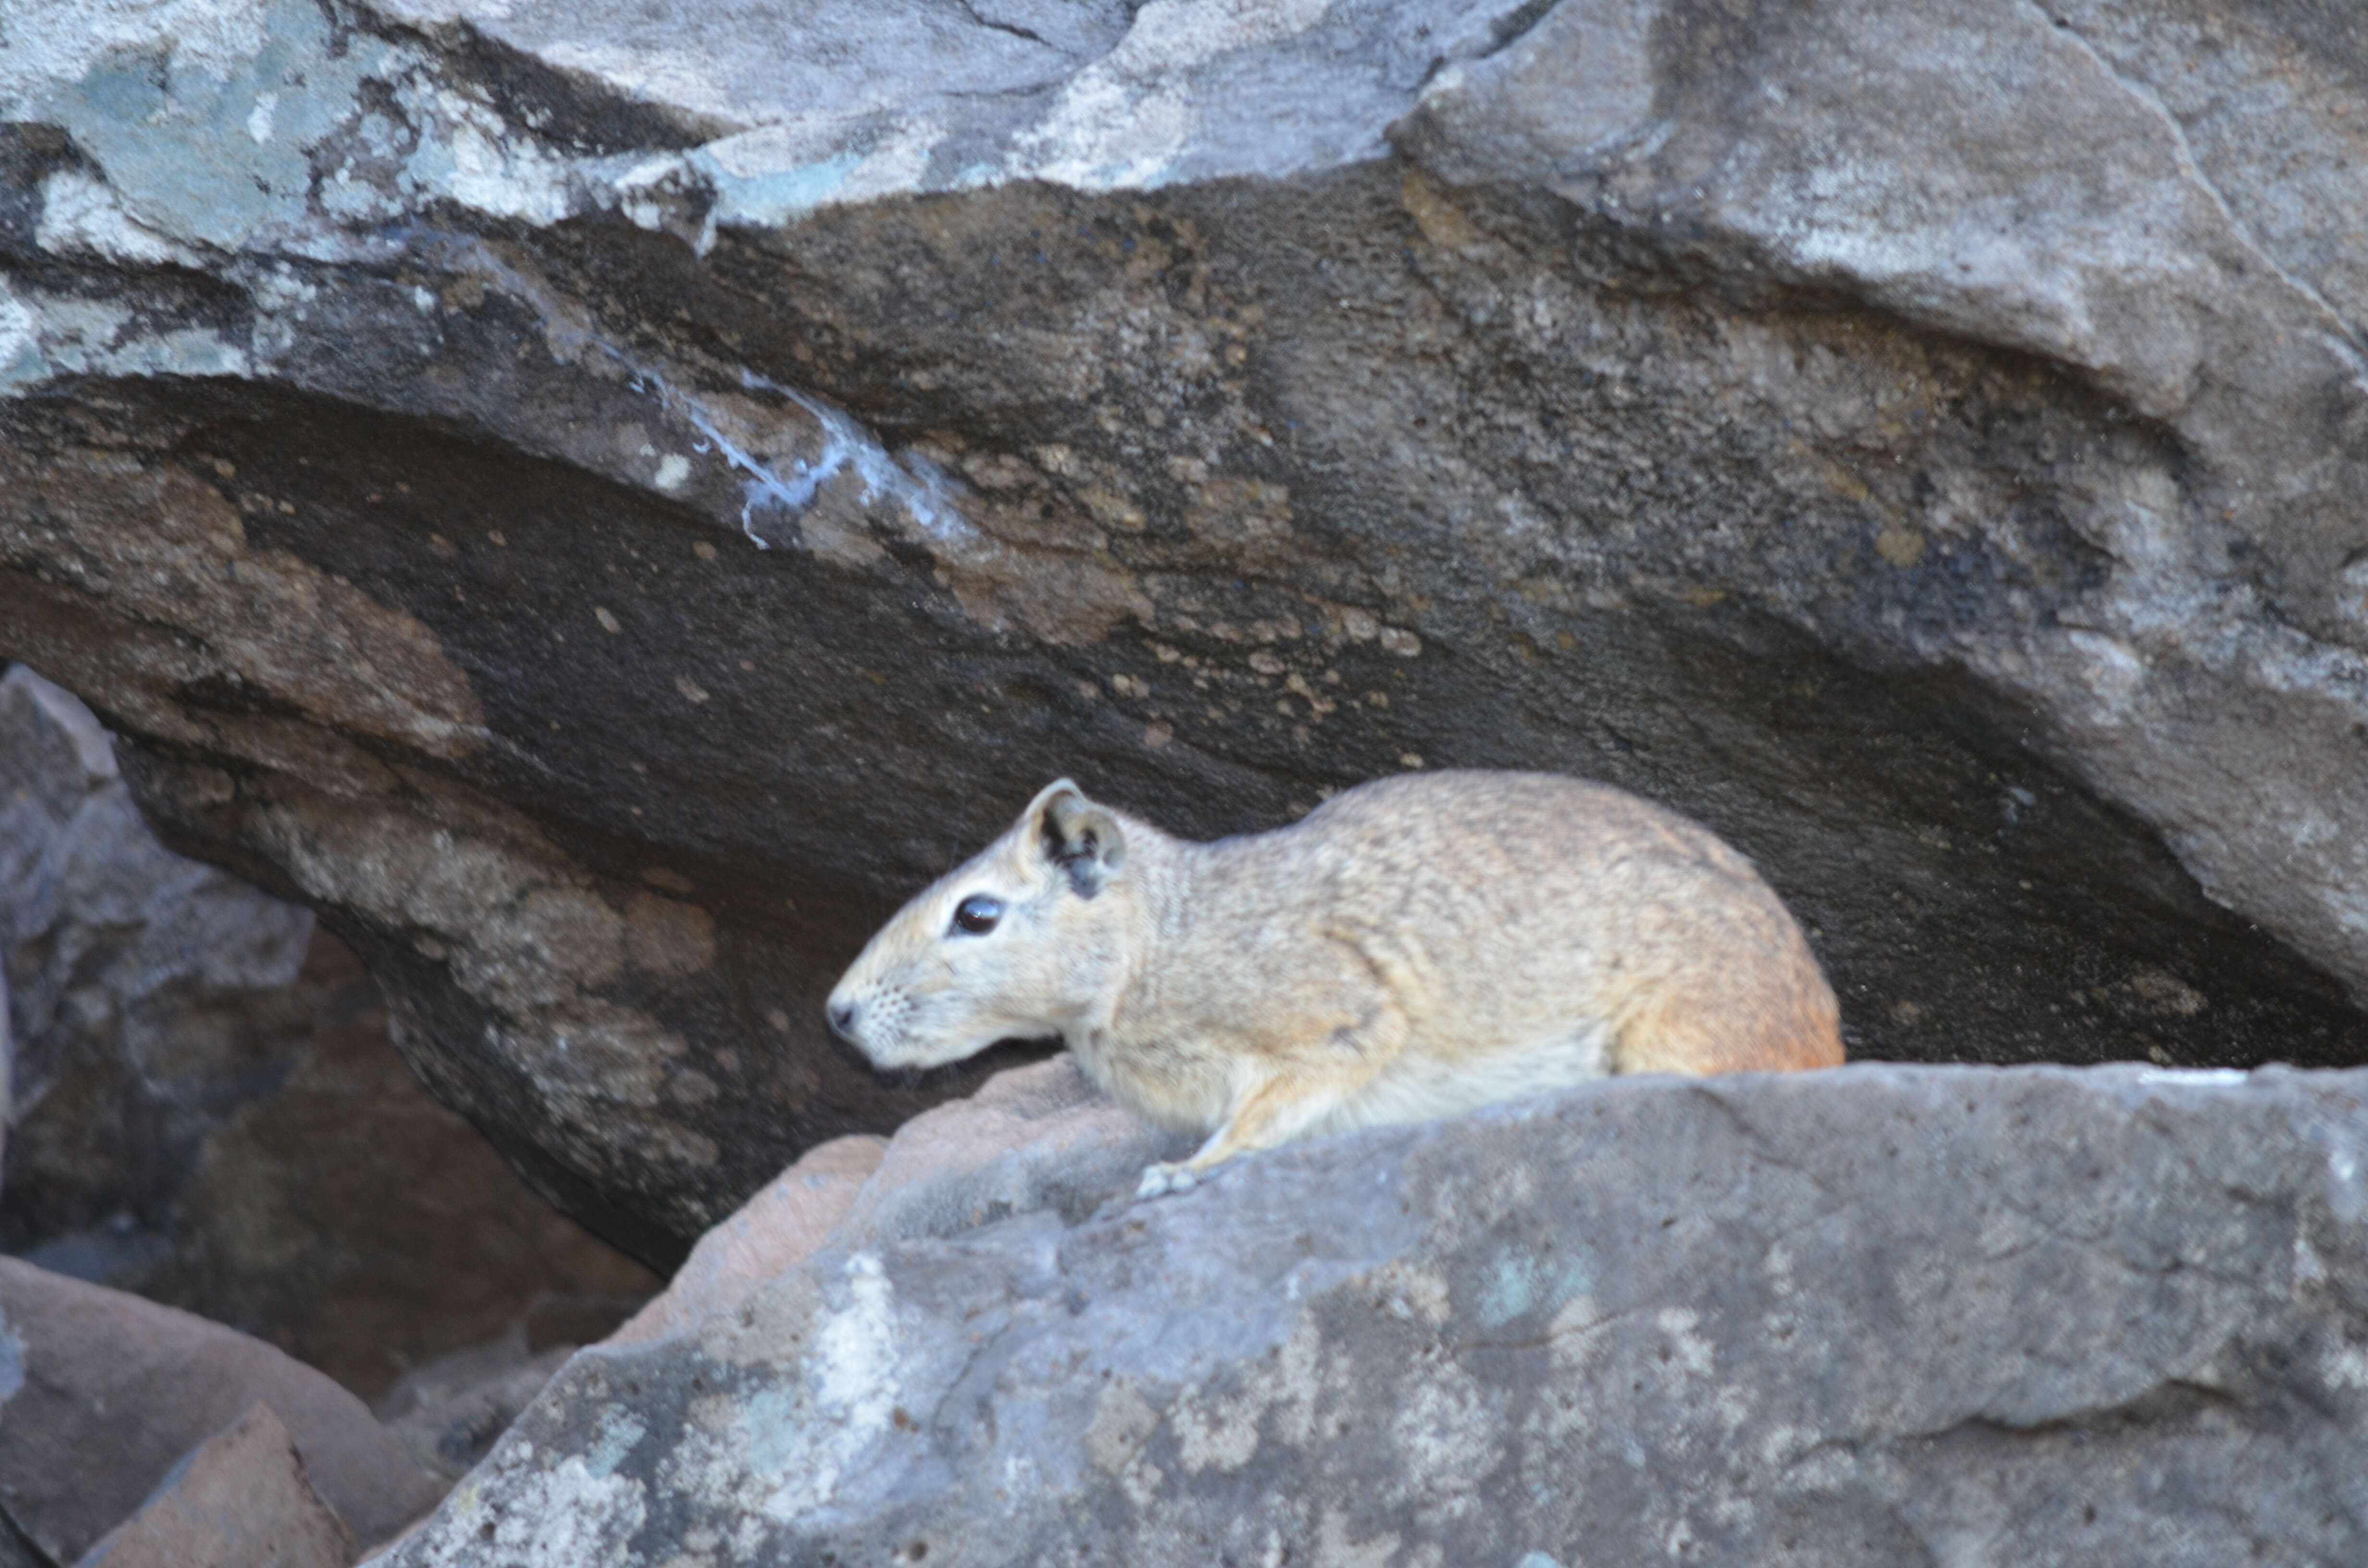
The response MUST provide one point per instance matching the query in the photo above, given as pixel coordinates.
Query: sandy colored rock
(765, 1237)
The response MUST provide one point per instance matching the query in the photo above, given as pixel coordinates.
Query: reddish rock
(110, 1391)
(239, 1500)
(1034, 1137)
(769, 1236)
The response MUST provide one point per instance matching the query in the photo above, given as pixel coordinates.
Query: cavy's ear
(1081, 838)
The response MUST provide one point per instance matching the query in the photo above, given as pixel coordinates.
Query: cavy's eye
(976, 914)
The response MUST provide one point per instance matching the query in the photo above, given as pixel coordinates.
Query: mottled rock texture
(601, 501)
(1033, 1138)
(1884, 1315)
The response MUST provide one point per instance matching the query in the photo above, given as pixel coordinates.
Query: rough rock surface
(142, 990)
(239, 1500)
(1888, 1316)
(602, 500)
(101, 1394)
(215, 1128)
(1032, 1138)
(766, 1236)
(448, 1412)
(7, 1077)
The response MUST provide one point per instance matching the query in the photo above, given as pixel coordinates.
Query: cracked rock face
(1887, 1314)
(603, 501)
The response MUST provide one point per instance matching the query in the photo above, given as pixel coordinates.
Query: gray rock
(101, 1394)
(239, 1500)
(7, 1078)
(605, 500)
(136, 993)
(1033, 1138)
(1887, 1314)
(448, 1412)
(16, 1552)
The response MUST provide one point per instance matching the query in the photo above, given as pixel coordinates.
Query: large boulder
(1886, 1314)
(601, 502)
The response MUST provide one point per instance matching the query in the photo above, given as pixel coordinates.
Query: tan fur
(1417, 947)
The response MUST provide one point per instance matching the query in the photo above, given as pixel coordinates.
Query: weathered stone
(1885, 1314)
(101, 1393)
(239, 1500)
(603, 500)
(366, 1229)
(8, 1079)
(16, 1552)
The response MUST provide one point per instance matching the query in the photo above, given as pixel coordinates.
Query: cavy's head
(1021, 942)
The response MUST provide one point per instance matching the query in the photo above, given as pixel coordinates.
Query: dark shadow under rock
(364, 1227)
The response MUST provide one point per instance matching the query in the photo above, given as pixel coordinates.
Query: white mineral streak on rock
(846, 445)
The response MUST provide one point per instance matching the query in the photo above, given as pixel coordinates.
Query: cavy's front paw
(1161, 1179)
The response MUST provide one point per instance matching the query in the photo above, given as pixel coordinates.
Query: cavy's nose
(842, 1020)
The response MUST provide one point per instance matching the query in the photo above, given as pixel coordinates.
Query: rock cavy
(1412, 948)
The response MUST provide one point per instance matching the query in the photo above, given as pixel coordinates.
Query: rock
(238, 1500)
(16, 1552)
(1033, 1138)
(144, 992)
(604, 501)
(103, 1391)
(224, 1136)
(366, 1229)
(7, 1077)
(769, 1236)
(1889, 1313)
(448, 1412)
